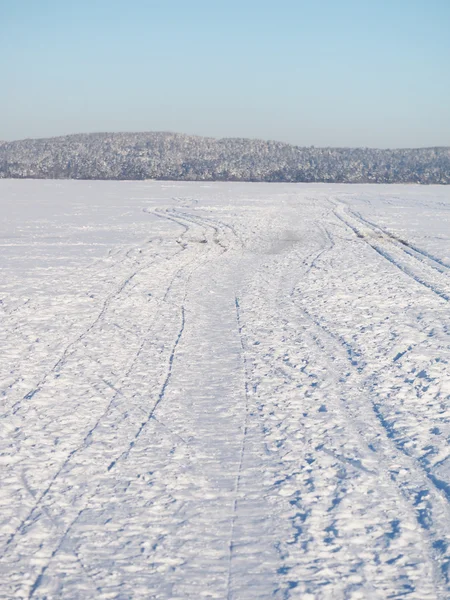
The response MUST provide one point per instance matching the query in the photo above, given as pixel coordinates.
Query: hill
(192, 158)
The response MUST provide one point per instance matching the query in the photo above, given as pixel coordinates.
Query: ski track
(124, 455)
(241, 453)
(246, 397)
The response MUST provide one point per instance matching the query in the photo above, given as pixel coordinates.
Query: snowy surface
(232, 391)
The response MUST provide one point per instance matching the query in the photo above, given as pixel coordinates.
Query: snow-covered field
(232, 391)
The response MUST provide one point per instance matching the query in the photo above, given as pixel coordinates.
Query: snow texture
(230, 391)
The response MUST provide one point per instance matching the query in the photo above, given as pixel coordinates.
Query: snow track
(232, 391)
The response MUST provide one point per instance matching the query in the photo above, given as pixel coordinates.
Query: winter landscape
(224, 390)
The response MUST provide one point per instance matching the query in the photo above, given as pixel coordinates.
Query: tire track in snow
(439, 485)
(67, 351)
(126, 453)
(268, 411)
(15, 331)
(160, 398)
(106, 303)
(82, 446)
(407, 493)
(406, 487)
(37, 582)
(406, 246)
(326, 248)
(388, 256)
(74, 552)
(234, 515)
(88, 436)
(404, 490)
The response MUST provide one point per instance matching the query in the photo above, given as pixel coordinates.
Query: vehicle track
(437, 495)
(67, 350)
(409, 248)
(124, 454)
(65, 355)
(368, 431)
(397, 262)
(161, 394)
(334, 350)
(262, 413)
(234, 514)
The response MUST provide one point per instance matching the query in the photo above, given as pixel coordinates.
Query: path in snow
(232, 391)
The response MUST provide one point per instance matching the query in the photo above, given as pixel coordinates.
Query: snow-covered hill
(182, 157)
(233, 391)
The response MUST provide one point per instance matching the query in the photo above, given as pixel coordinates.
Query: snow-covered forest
(184, 157)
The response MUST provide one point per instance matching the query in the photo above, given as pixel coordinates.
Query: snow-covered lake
(230, 391)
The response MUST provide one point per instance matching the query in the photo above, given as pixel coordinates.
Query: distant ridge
(173, 156)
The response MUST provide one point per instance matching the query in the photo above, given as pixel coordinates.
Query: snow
(233, 391)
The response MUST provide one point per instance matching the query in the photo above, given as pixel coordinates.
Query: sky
(370, 73)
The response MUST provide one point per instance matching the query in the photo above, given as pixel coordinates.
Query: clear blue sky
(322, 72)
